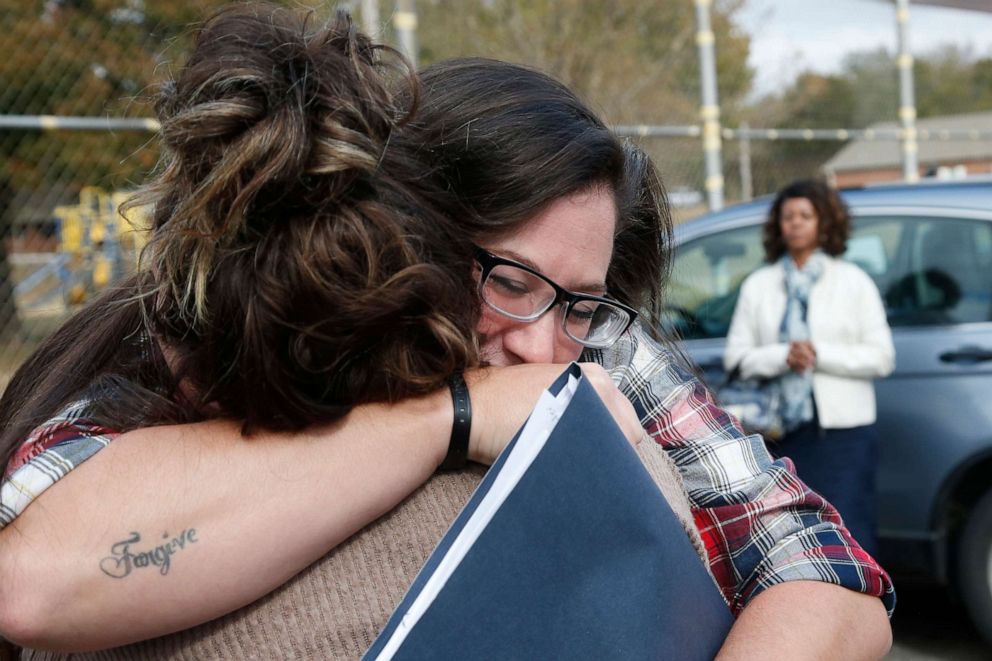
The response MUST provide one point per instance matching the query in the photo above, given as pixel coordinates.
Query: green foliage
(635, 60)
(74, 58)
(951, 82)
(947, 81)
(91, 58)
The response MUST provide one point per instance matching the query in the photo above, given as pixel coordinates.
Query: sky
(791, 36)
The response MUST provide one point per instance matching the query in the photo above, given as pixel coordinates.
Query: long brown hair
(299, 264)
(509, 140)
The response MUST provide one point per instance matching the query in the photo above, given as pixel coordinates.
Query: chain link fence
(76, 82)
(759, 162)
(751, 168)
(76, 79)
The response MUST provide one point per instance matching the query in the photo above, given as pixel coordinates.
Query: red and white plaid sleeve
(760, 523)
(47, 455)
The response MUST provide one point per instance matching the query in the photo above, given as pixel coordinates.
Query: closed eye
(508, 285)
(582, 313)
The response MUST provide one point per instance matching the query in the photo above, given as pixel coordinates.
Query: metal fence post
(907, 102)
(405, 24)
(709, 111)
(370, 17)
(744, 154)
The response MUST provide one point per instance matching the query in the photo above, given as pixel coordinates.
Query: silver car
(928, 247)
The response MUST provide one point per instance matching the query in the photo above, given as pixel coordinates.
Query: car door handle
(967, 355)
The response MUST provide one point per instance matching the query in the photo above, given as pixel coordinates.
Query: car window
(945, 276)
(706, 276)
(929, 271)
(869, 253)
(877, 245)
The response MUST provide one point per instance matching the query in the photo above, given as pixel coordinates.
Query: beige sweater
(336, 606)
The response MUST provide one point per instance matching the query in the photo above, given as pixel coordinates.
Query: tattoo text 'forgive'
(123, 559)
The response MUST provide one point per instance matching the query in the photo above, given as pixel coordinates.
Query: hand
(802, 356)
(503, 397)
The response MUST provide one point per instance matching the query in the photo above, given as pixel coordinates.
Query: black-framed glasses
(519, 292)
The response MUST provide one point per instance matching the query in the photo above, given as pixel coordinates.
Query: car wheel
(975, 565)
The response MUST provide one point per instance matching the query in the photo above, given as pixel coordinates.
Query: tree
(951, 81)
(79, 57)
(84, 57)
(634, 61)
(624, 56)
(865, 91)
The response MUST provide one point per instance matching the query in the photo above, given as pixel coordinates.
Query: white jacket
(847, 327)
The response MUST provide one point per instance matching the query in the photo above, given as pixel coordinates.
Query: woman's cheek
(490, 328)
(568, 351)
(488, 322)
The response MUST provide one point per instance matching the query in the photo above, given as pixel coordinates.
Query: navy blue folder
(584, 559)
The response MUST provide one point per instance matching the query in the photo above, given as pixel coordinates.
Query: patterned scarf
(797, 389)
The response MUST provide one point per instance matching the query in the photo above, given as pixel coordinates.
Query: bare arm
(170, 527)
(234, 518)
(809, 620)
(762, 526)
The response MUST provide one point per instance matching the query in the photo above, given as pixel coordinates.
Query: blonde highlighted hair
(300, 262)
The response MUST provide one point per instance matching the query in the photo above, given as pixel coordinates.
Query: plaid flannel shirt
(47, 455)
(760, 523)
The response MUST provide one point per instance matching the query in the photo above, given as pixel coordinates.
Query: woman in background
(816, 323)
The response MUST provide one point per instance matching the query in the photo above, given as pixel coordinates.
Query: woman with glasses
(549, 188)
(572, 233)
(521, 293)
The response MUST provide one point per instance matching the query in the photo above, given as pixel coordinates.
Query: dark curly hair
(834, 220)
(299, 263)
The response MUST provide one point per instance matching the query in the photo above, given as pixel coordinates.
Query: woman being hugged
(296, 268)
(817, 324)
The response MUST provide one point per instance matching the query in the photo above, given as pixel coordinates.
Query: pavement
(930, 625)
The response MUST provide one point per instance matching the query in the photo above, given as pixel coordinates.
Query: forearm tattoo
(125, 558)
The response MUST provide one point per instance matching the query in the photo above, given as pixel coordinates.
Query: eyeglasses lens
(595, 323)
(517, 293)
(522, 295)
